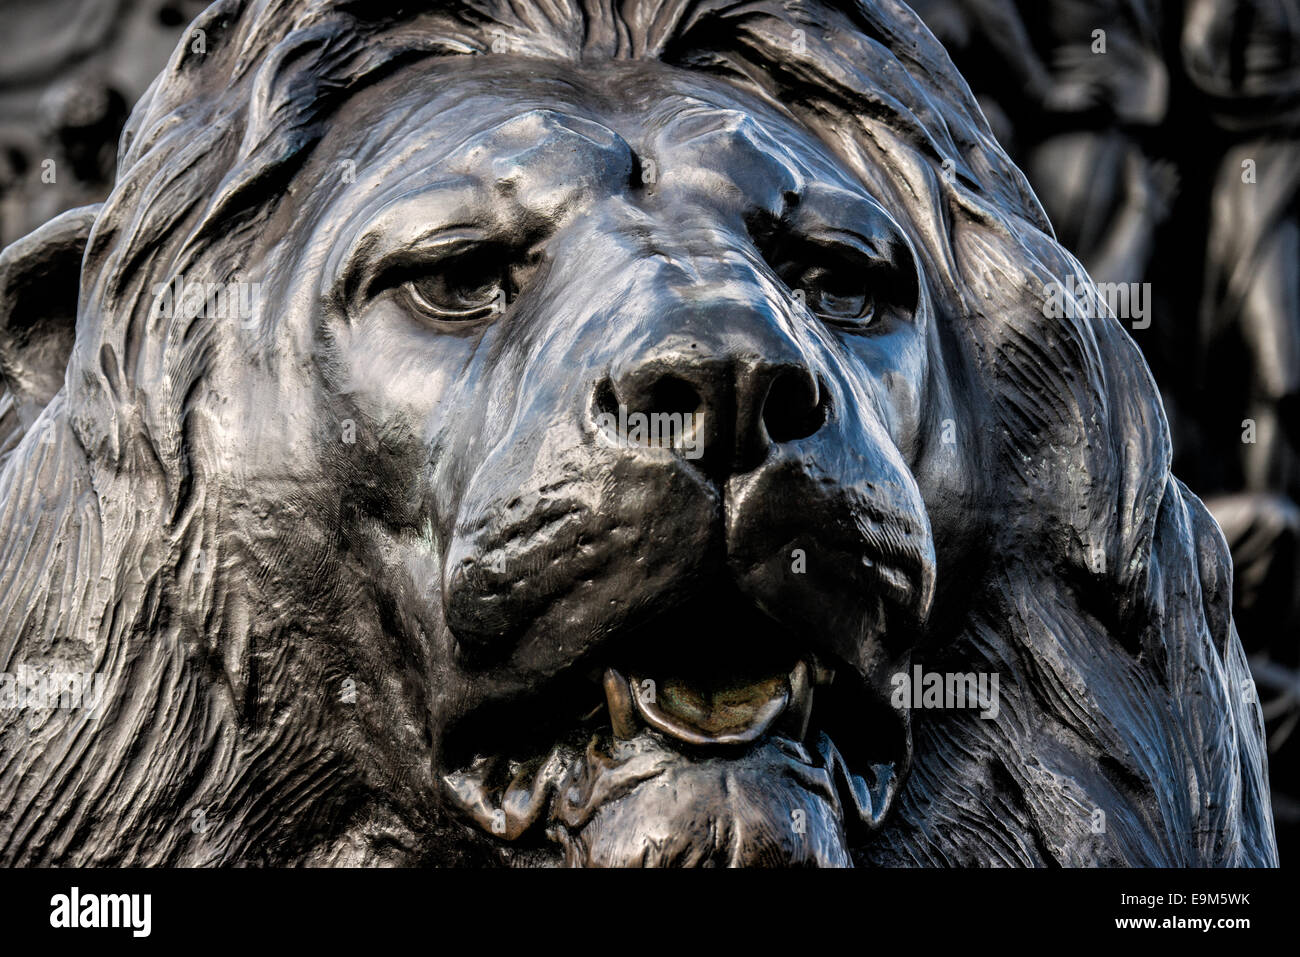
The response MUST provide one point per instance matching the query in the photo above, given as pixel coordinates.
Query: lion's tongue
(705, 710)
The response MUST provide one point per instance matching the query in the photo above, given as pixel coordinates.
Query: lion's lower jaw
(761, 809)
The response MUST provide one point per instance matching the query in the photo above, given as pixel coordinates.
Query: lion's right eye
(467, 288)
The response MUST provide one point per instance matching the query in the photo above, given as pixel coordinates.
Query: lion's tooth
(795, 749)
(622, 716)
(794, 721)
(819, 672)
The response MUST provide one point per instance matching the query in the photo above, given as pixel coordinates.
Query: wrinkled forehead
(539, 129)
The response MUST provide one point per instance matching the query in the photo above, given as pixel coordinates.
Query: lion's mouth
(711, 681)
(712, 690)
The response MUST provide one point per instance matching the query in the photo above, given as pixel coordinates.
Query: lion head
(594, 425)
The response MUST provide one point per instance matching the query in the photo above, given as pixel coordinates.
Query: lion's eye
(836, 293)
(835, 288)
(853, 286)
(466, 288)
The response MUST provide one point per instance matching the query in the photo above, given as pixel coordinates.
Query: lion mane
(1103, 600)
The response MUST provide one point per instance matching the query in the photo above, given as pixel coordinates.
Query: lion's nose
(720, 400)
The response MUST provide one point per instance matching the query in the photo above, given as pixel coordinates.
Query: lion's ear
(40, 276)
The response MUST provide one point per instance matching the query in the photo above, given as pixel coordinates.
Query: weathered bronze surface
(1163, 140)
(595, 427)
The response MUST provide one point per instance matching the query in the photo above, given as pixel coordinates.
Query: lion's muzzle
(680, 506)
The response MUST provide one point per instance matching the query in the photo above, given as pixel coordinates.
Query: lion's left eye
(837, 292)
(833, 287)
(468, 288)
(858, 286)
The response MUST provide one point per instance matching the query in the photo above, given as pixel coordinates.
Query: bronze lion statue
(620, 432)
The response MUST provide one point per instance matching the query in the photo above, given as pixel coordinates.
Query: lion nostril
(606, 400)
(673, 395)
(666, 412)
(794, 409)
